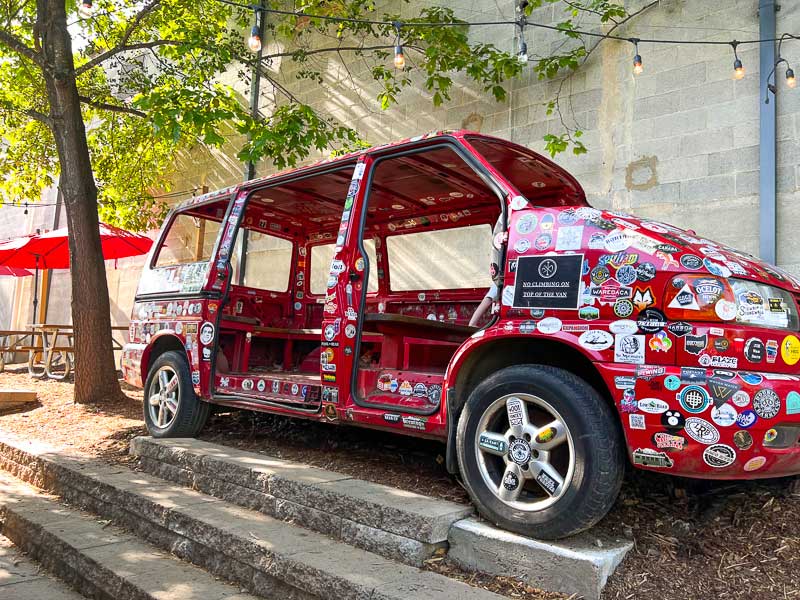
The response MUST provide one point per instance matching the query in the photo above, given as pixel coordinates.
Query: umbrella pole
(36, 290)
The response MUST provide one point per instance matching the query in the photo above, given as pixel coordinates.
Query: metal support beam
(767, 144)
(255, 94)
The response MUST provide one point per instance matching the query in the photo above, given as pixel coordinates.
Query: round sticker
(724, 415)
(526, 223)
(746, 419)
(726, 310)
(766, 403)
(623, 308)
(626, 275)
(651, 320)
(543, 241)
(755, 463)
(701, 430)
(522, 245)
(690, 261)
(754, 350)
(261, 385)
(694, 399)
(743, 440)
(206, 333)
(719, 456)
(350, 331)
(770, 436)
(329, 332)
(741, 398)
(672, 382)
(645, 272)
(549, 325)
(716, 269)
(616, 241)
(790, 349)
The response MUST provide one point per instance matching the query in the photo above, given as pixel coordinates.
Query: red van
(343, 292)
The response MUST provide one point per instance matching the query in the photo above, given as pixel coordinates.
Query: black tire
(599, 459)
(191, 414)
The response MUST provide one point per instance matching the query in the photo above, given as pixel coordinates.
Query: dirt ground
(692, 539)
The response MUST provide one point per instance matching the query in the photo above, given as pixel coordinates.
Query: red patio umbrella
(51, 250)
(14, 272)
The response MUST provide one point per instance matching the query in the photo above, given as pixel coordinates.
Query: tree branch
(100, 58)
(15, 44)
(136, 21)
(112, 107)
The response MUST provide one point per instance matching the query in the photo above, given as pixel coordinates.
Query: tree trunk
(95, 371)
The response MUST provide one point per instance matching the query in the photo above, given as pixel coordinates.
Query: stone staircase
(270, 528)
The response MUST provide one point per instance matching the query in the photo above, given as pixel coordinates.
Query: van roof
(495, 151)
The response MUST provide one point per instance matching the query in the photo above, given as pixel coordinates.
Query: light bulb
(254, 43)
(86, 10)
(791, 81)
(399, 57)
(522, 55)
(638, 68)
(738, 69)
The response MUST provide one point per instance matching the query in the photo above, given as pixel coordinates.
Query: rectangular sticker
(548, 281)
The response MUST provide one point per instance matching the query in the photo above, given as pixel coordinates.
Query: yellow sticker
(790, 350)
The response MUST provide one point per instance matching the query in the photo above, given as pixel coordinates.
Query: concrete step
(262, 554)
(394, 523)
(98, 560)
(23, 579)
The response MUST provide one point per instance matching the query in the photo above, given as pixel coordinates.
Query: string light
(790, 78)
(254, 43)
(738, 67)
(522, 55)
(638, 67)
(399, 55)
(26, 209)
(86, 10)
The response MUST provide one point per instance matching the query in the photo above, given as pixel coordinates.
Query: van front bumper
(705, 423)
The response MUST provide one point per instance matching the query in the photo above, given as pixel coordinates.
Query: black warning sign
(548, 281)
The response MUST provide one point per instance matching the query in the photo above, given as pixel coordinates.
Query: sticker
(741, 399)
(599, 274)
(629, 348)
(548, 483)
(772, 350)
(196, 377)
(766, 403)
(510, 481)
(668, 441)
(526, 223)
(514, 408)
(692, 262)
(726, 311)
(247, 385)
(792, 403)
(206, 333)
(626, 275)
(651, 320)
(548, 281)
(755, 463)
(569, 238)
(727, 362)
(701, 430)
(434, 394)
(549, 325)
(754, 350)
(391, 417)
(623, 308)
(679, 328)
(417, 423)
(522, 245)
(770, 435)
(693, 399)
(420, 390)
(596, 340)
(492, 444)
(616, 241)
(746, 419)
(406, 389)
(672, 419)
(518, 202)
(719, 456)
(628, 402)
(743, 440)
(653, 406)
(790, 349)
(724, 415)
(708, 290)
(589, 313)
(643, 299)
(660, 342)
(622, 382)
(329, 332)
(694, 344)
(350, 331)
(721, 389)
(636, 421)
(623, 326)
(684, 300)
(519, 451)
(672, 382)
(648, 457)
(645, 272)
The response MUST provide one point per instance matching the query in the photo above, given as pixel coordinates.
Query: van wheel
(539, 451)
(171, 408)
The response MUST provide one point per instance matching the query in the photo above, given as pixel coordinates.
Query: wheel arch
(482, 359)
(159, 345)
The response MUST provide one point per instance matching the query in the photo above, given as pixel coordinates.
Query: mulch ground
(693, 539)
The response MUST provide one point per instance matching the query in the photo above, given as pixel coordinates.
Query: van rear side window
(321, 257)
(190, 239)
(447, 259)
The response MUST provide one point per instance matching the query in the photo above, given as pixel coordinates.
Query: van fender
(163, 341)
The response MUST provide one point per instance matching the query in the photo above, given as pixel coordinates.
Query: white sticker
(508, 295)
(636, 421)
(617, 241)
(569, 237)
(719, 456)
(518, 203)
(549, 325)
(629, 349)
(206, 333)
(724, 415)
(596, 339)
(701, 430)
(624, 326)
(654, 406)
(685, 299)
(725, 310)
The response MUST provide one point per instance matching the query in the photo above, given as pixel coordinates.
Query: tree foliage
(155, 78)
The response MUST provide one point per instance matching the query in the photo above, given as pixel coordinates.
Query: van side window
(190, 239)
(321, 257)
(269, 261)
(447, 259)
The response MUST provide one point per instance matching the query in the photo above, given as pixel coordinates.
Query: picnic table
(50, 348)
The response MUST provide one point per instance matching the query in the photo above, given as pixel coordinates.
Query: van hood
(683, 251)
